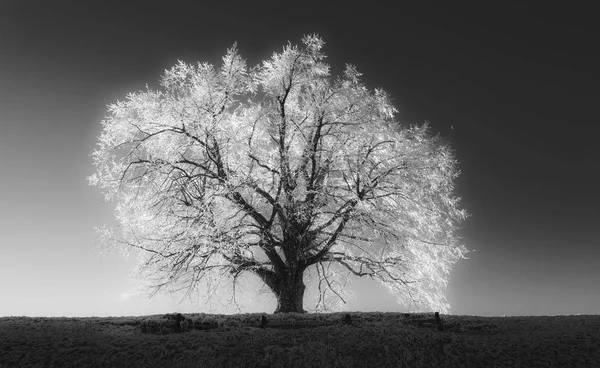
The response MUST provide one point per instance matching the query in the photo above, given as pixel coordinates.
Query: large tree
(276, 170)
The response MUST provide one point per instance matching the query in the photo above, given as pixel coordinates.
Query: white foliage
(224, 164)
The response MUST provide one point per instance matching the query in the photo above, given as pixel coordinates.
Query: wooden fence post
(438, 321)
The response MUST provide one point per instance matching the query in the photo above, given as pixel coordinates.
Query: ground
(302, 340)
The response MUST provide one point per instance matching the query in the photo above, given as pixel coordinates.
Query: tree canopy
(275, 170)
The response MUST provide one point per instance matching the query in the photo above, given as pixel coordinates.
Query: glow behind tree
(276, 170)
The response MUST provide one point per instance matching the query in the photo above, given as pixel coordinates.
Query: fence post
(438, 321)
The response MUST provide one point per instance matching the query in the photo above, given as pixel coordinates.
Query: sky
(514, 88)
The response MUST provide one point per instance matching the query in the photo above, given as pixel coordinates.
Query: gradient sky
(515, 89)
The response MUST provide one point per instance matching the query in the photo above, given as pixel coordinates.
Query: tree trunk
(288, 287)
(290, 293)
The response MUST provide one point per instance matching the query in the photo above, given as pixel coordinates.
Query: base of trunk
(290, 295)
(278, 310)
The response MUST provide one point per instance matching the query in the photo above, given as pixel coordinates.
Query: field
(301, 340)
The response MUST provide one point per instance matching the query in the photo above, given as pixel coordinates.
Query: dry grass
(311, 340)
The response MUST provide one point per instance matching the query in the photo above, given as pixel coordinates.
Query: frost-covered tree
(276, 170)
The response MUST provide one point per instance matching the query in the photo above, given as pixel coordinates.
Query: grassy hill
(301, 340)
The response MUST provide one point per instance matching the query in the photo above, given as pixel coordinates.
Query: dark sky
(514, 88)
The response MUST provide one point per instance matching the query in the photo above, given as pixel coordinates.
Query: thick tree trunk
(287, 286)
(290, 294)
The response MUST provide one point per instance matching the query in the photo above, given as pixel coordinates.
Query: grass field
(302, 340)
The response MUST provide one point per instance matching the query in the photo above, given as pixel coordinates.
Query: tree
(276, 170)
